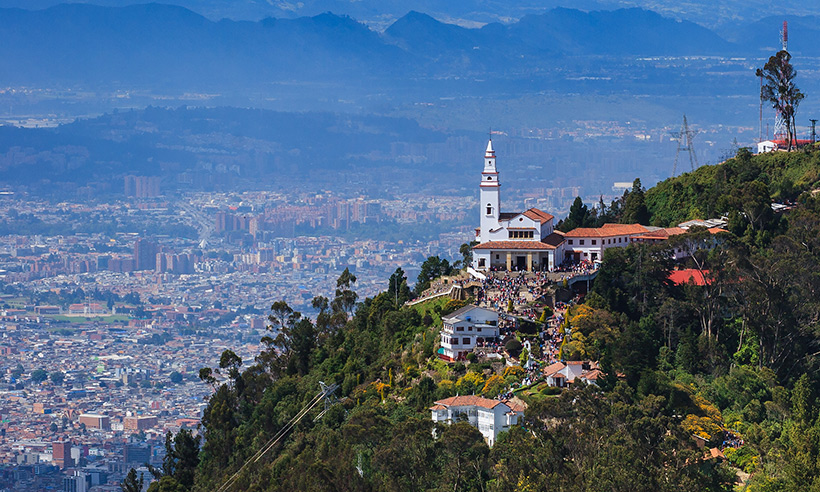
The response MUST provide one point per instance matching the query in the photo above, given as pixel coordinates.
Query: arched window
(489, 209)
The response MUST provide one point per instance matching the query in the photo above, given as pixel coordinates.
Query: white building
(490, 417)
(589, 243)
(766, 146)
(526, 240)
(512, 240)
(561, 374)
(466, 328)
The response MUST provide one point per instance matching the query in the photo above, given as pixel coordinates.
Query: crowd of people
(552, 338)
(498, 290)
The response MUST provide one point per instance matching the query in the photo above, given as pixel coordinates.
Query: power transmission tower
(813, 132)
(685, 138)
(328, 397)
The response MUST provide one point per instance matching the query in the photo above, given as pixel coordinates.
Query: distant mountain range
(168, 46)
(721, 14)
(246, 143)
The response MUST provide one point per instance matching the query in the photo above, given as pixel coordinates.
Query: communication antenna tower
(760, 117)
(780, 123)
(813, 132)
(685, 138)
(784, 36)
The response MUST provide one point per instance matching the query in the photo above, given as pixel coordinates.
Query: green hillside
(735, 359)
(712, 191)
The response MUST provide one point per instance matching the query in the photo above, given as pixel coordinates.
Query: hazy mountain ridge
(723, 15)
(161, 141)
(169, 46)
(165, 45)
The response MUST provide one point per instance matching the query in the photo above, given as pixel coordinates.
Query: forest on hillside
(732, 363)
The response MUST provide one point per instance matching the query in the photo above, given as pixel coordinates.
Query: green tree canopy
(635, 211)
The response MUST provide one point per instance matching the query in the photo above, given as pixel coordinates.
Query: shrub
(513, 347)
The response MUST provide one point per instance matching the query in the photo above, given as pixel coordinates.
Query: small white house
(561, 374)
(766, 146)
(466, 328)
(490, 417)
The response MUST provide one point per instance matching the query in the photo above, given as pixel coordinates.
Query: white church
(526, 241)
(512, 241)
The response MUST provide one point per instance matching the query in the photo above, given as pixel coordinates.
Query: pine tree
(635, 211)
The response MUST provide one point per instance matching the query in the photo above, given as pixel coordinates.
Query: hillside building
(512, 240)
(527, 241)
(589, 243)
(490, 417)
(465, 329)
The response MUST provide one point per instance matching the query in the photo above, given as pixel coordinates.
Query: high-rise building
(145, 254)
(142, 186)
(61, 453)
(79, 482)
(130, 186)
(137, 454)
(147, 186)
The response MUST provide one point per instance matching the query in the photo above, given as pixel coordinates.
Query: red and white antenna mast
(780, 123)
(784, 36)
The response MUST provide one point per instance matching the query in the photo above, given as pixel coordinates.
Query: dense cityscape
(257, 248)
(120, 323)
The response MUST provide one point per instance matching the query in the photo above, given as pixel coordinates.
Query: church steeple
(489, 158)
(489, 195)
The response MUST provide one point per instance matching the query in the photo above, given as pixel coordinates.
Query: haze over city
(170, 172)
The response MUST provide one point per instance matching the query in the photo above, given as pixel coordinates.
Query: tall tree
(466, 251)
(180, 463)
(132, 482)
(778, 88)
(635, 211)
(432, 268)
(345, 298)
(398, 287)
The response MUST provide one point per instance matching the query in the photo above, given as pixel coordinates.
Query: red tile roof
(515, 406)
(468, 400)
(663, 233)
(715, 453)
(555, 239)
(689, 275)
(607, 230)
(529, 245)
(539, 215)
(533, 213)
(553, 368)
(592, 375)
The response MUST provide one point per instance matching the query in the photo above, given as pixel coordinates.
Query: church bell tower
(489, 196)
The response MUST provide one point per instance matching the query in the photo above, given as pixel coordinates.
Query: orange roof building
(490, 417)
(511, 240)
(527, 240)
